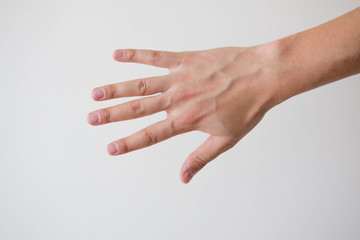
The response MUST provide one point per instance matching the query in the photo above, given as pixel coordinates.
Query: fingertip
(93, 118)
(112, 149)
(183, 179)
(187, 176)
(118, 55)
(98, 94)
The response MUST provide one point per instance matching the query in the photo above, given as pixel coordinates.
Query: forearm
(318, 56)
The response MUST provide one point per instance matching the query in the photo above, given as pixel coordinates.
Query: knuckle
(130, 54)
(177, 126)
(137, 108)
(123, 145)
(142, 86)
(182, 96)
(173, 129)
(150, 137)
(165, 101)
(111, 90)
(156, 55)
(188, 119)
(198, 161)
(185, 123)
(106, 115)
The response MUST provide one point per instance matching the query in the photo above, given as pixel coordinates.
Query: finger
(209, 150)
(138, 87)
(129, 110)
(156, 58)
(146, 137)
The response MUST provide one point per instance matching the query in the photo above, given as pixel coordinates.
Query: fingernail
(113, 148)
(94, 118)
(98, 93)
(119, 54)
(189, 175)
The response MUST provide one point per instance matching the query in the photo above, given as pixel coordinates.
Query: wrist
(276, 68)
(289, 74)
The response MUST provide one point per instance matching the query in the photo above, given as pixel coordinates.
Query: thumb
(209, 150)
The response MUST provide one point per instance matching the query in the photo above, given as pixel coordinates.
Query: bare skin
(225, 92)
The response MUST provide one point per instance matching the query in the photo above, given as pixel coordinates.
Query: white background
(295, 176)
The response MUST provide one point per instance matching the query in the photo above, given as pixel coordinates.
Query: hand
(224, 92)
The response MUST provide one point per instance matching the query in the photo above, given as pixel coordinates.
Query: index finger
(164, 59)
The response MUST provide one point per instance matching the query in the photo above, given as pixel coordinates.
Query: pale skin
(225, 92)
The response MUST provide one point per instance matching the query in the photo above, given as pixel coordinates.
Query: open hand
(224, 92)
